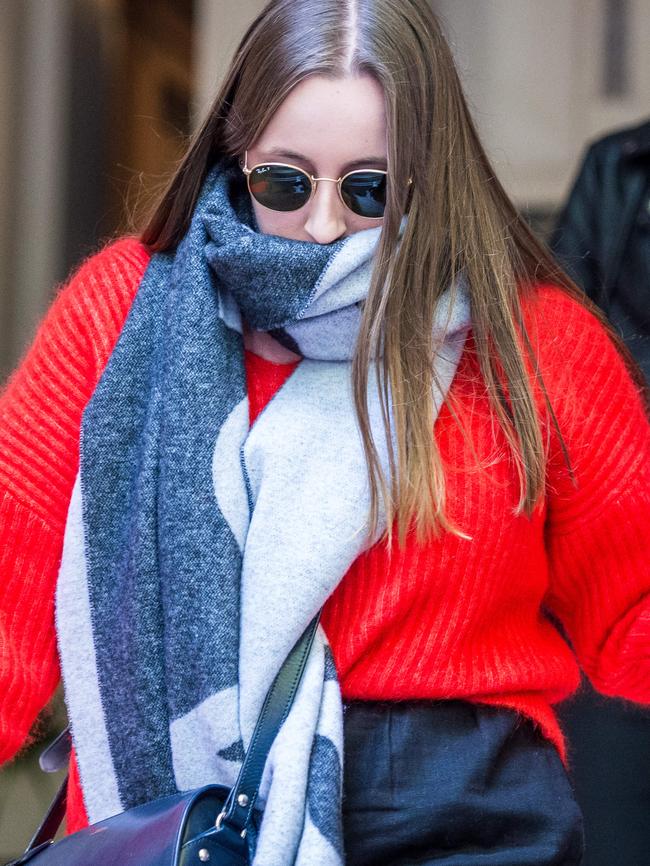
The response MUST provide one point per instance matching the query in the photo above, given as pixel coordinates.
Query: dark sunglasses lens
(279, 187)
(364, 192)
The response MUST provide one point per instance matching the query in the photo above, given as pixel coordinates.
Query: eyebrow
(350, 166)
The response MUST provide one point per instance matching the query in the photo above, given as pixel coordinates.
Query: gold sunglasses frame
(314, 181)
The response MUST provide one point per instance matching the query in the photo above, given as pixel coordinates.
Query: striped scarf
(198, 548)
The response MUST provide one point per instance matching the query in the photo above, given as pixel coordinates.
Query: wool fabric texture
(198, 549)
(451, 618)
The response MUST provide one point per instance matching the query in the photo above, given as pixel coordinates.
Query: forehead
(335, 117)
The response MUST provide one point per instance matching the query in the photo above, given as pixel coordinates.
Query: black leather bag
(214, 824)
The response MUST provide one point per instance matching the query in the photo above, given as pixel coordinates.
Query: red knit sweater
(453, 618)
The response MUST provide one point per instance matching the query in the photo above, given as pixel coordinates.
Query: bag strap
(56, 756)
(239, 805)
(238, 808)
(53, 818)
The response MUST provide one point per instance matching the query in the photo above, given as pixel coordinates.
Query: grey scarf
(197, 547)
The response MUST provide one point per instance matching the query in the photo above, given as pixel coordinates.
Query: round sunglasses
(283, 187)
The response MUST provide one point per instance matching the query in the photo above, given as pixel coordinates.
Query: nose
(325, 222)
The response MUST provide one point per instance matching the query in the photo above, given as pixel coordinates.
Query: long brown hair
(461, 222)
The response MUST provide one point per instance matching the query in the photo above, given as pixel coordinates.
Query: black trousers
(455, 783)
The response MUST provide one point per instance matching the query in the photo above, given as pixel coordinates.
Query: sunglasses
(282, 187)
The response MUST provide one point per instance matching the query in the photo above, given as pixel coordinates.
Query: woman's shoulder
(42, 403)
(581, 361)
(558, 317)
(95, 300)
(118, 266)
(570, 338)
(127, 249)
(86, 316)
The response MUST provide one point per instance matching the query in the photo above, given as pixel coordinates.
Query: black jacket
(603, 240)
(603, 234)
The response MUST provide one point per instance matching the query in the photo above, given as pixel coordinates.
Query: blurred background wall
(544, 78)
(97, 98)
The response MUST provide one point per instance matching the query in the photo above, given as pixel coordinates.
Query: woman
(333, 271)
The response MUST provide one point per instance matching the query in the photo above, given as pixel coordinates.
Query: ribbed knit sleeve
(598, 527)
(40, 419)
